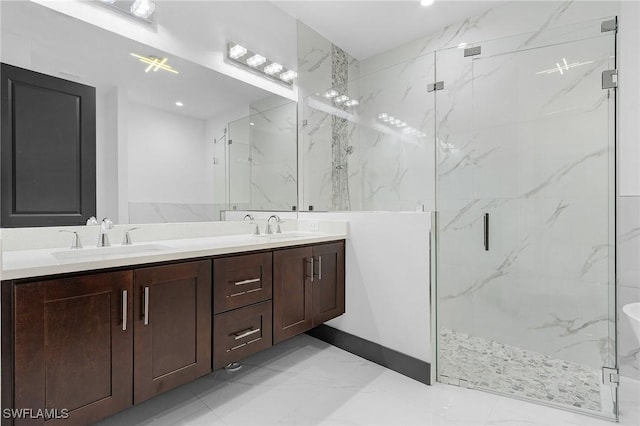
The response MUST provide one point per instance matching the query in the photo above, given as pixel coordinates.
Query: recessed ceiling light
(256, 61)
(288, 75)
(180, 104)
(426, 2)
(237, 51)
(143, 8)
(252, 124)
(273, 68)
(462, 45)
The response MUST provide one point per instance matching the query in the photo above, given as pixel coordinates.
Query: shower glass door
(525, 190)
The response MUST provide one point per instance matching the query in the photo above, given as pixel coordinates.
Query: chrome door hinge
(438, 85)
(609, 79)
(610, 376)
(610, 25)
(472, 51)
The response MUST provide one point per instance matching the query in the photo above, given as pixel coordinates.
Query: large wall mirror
(172, 145)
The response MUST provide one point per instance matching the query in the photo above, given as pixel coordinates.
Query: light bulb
(288, 75)
(143, 8)
(342, 98)
(330, 93)
(256, 61)
(273, 68)
(351, 102)
(426, 2)
(237, 51)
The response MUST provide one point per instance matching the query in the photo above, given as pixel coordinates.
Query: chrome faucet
(278, 222)
(75, 244)
(127, 237)
(252, 221)
(103, 237)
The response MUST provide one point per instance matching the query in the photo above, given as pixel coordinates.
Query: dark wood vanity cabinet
(172, 323)
(97, 343)
(308, 288)
(73, 341)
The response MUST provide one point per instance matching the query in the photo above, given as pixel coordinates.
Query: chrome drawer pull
(246, 333)
(244, 292)
(245, 282)
(124, 310)
(241, 345)
(320, 267)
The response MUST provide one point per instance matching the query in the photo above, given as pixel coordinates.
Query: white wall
(387, 279)
(166, 154)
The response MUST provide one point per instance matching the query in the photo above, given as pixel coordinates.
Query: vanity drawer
(240, 333)
(240, 281)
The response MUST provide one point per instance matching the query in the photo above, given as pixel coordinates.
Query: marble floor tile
(304, 381)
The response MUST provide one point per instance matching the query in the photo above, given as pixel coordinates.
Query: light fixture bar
(257, 63)
(154, 63)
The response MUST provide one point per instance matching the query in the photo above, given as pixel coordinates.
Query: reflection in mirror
(262, 158)
(369, 142)
(161, 130)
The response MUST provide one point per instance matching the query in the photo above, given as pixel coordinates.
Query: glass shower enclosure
(525, 188)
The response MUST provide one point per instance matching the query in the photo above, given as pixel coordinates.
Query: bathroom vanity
(114, 331)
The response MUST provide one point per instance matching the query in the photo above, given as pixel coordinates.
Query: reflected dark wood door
(328, 282)
(48, 150)
(72, 350)
(172, 320)
(292, 293)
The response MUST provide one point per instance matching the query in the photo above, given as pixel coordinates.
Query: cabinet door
(292, 298)
(172, 322)
(47, 150)
(328, 282)
(72, 350)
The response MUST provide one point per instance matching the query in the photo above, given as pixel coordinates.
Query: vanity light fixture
(155, 63)
(108, 1)
(392, 122)
(257, 63)
(143, 8)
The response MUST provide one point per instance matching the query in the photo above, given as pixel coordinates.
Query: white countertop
(36, 263)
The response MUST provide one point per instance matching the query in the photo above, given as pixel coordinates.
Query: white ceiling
(46, 41)
(366, 28)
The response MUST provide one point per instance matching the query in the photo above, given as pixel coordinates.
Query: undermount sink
(99, 252)
(285, 235)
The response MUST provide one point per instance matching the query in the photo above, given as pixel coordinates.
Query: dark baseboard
(389, 358)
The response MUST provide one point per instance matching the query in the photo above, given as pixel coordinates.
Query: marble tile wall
(628, 281)
(141, 212)
(328, 133)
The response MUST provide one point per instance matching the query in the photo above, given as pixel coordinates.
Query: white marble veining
(304, 381)
(140, 212)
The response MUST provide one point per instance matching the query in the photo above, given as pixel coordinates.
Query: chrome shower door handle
(146, 306)
(486, 231)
